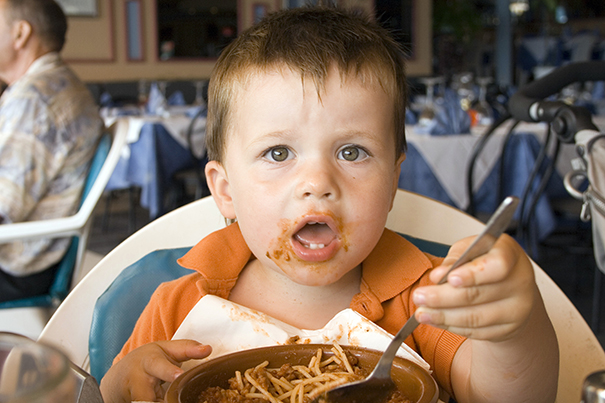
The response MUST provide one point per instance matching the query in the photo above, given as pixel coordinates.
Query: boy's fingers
(175, 352)
(492, 267)
(163, 370)
(495, 320)
(453, 297)
(184, 350)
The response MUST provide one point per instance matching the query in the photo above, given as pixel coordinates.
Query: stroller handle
(528, 103)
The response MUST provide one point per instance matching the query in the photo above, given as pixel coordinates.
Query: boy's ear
(396, 177)
(218, 183)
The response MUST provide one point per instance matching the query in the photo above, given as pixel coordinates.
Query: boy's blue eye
(278, 154)
(352, 153)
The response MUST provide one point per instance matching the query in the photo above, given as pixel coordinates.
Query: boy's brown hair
(308, 40)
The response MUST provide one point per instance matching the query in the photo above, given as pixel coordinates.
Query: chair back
(428, 221)
(78, 225)
(71, 261)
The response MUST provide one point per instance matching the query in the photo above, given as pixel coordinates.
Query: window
(195, 29)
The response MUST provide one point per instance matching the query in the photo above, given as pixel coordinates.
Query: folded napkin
(156, 103)
(449, 117)
(411, 118)
(229, 327)
(598, 90)
(176, 99)
(106, 100)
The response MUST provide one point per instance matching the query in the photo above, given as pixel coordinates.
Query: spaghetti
(291, 383)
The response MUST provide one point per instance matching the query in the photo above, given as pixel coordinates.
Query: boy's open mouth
(316, 240)
(315, 235)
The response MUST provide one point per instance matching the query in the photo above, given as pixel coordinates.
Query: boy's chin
(314, 276)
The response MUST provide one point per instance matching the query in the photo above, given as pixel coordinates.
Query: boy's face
(310, 181)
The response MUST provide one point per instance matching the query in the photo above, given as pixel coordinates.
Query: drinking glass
(162, 105)
(429, 109)
(463, 84)
(143, 91)
(199, 92)
(484, 114)
(34, 372)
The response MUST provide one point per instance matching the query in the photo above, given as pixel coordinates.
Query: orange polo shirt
(389, 275)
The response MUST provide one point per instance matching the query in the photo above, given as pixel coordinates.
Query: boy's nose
(318, 180)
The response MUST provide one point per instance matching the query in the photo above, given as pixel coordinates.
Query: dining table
(437, 166)
(157, 148)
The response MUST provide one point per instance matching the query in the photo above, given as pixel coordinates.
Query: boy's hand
(489, 298)
(139, 375)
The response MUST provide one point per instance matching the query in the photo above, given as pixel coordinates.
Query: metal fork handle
(384, 371)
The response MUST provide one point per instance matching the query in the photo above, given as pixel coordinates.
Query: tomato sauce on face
(282, 250)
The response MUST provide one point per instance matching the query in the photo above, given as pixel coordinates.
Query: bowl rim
(173, 391)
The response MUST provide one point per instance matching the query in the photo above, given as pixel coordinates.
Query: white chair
(412, 214)
(28, 316)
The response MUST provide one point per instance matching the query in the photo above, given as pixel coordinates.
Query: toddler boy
(305, 139)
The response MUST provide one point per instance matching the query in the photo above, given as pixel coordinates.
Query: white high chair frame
(412, 214)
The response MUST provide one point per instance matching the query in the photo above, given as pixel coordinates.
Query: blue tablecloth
(417, 176)
(152, 161)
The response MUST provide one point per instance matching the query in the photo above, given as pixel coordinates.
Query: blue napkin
(156, 101)
(410, 117)
(105, 100)
(598, 91)
(450, 118)
(191, 112)
(176, 99)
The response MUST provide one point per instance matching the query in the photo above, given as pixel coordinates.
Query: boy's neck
(305, 307)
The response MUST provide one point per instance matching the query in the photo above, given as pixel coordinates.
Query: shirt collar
(46, 61)
(392, 266)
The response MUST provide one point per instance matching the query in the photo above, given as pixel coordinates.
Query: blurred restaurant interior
(150, 60)
(465, 59)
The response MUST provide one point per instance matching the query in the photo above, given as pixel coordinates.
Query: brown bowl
(416, 383)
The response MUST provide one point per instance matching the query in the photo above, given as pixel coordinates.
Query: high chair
(84, 327)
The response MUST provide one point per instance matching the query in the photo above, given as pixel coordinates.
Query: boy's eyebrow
(271, 136)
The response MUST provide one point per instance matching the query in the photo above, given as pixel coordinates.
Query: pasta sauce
(292, 383)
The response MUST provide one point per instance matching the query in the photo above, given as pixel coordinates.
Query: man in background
(49, 129)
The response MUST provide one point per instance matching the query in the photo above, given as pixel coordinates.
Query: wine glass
(484, 114)
(463, 84)
(162, 106)
(143, 93)
(34, 372)
(199, 93)
(427, 115)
